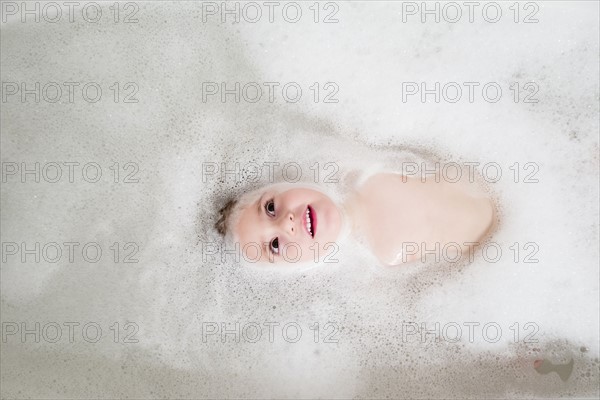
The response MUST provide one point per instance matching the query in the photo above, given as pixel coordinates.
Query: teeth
(308, 222)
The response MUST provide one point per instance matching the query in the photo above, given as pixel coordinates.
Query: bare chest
(400, 215)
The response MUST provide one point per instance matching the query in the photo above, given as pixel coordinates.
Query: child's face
(276, 227)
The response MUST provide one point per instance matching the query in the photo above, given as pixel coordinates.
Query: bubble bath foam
(111, 285)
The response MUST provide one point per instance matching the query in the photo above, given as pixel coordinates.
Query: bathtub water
(346, 329)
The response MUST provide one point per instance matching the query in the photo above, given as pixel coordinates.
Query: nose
(288, 223)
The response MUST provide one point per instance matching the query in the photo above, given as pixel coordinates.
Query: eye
(270, 207)
(274, 246)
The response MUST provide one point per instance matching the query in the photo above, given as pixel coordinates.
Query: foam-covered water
(175, 297)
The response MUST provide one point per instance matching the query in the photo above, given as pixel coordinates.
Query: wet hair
(230, 213)
(222, 224)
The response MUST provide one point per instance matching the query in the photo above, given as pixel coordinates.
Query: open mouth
(310, 221)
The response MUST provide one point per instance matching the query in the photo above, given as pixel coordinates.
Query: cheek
(294, 198)
(326, 207)
(329, 220)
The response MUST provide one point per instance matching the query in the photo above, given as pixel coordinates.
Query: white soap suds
(363, 345)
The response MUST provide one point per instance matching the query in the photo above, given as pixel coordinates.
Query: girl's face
(290, 226)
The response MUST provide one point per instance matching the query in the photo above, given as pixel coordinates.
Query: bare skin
(402, 218)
